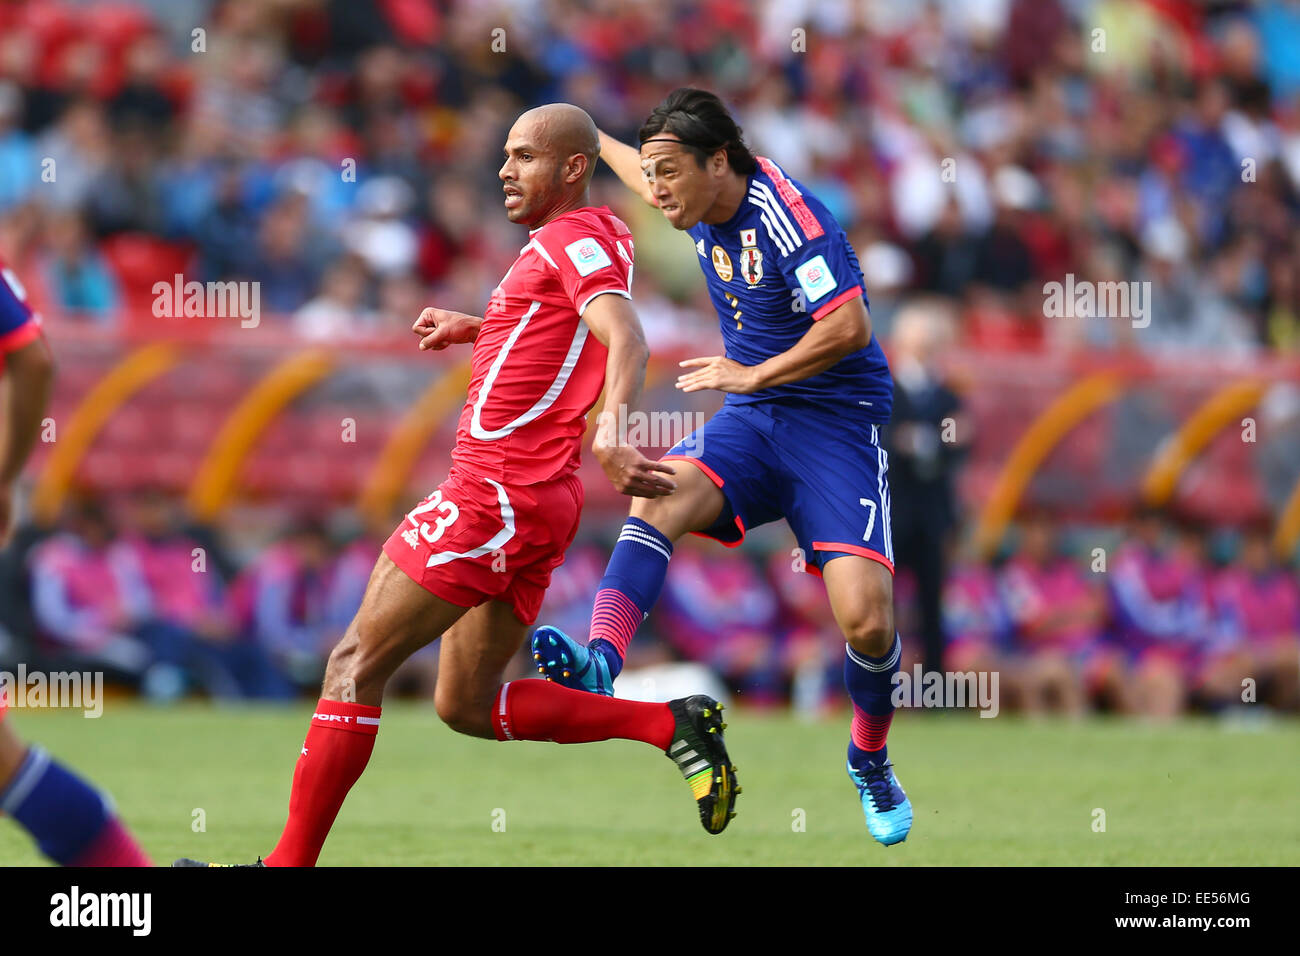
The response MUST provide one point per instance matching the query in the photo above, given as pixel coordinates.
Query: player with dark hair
(472, 561)
(73, 823)
(807, 389)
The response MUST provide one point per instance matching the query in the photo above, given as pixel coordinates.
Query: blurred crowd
(1167, 615)
(344, 153)
(128, 587)
(1161, 617)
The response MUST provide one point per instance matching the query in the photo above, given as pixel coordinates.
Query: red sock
(114, 846)
(541, 710)
(869, 731)
(337, 749)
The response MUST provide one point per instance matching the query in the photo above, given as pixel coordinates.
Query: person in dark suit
(927, 439)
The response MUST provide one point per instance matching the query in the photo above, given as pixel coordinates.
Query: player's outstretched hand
(632, 473)
(438, 328)
(717, 371)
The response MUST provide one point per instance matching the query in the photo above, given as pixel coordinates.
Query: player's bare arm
(614, 322)
(625, 161)
(31, 372)
(840, 332)
(439, 328)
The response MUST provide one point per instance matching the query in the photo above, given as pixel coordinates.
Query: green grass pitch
(1002, 791)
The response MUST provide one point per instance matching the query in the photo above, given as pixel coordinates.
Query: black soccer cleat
(184, 861)
(701, 755)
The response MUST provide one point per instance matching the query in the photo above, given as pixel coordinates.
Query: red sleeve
(591, 259)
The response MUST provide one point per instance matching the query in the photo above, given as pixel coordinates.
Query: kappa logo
(587, 256)
(815, 278)
(722, 264)
(412, 537)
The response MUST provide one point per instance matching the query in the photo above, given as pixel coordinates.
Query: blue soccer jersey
(779, 264)
(18, 324)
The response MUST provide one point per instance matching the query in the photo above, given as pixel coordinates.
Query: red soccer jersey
(536, 368)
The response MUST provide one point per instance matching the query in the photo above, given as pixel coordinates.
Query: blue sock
(60, 810)
(870, 685)
(631, 585)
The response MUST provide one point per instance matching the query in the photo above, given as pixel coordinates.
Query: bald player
(471, 562)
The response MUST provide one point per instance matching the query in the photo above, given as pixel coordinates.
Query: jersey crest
(722, 264)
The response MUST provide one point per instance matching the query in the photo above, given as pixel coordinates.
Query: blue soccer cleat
(888, 811)
(561, 659)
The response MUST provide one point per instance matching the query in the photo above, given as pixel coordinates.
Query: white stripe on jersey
(534, 244)
(587, 301)
(781, 244)
(541, 251)
(760, 192)
(496, 541)
(546, 401)
(764, 190)
(623, 253)
(882, 482)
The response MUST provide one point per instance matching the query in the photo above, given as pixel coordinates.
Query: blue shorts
(826, 475)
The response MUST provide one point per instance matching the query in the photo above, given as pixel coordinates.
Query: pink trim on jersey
(15, 339)
(740, 526)
(838, 301)
(790, 196)
(854, 549)
(713, 475)
(869, 731)
(615, 619)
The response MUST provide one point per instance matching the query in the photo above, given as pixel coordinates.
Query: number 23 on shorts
(448, 516)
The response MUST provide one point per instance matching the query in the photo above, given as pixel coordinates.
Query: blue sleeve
(14, 313)
(813, 253)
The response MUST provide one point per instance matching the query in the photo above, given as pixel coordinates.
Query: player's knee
(654, 511)
(462, 714)
(872, 633)
(340, 669)
(357, 666)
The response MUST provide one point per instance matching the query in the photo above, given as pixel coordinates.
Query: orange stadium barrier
(223, 414)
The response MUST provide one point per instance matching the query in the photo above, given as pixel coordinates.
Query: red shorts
(476, 540)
